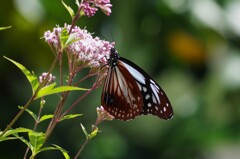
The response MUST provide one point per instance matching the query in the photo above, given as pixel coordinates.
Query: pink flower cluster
(90, 7)
(103, 114)
(53, 38)
(50, 79)
(89, 10)
(86, 51)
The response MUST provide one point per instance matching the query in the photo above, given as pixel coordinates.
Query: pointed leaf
(3, 28)
(36, 139)
(63, 37)
(15, 131)
(85, 131)
(70, 116)
(32, 78)
(67, 39)
(8, 138)
(34, 116)
(69, 9)
(46, 149)
(45, 117)
(71, 39)
(64, 152)
(48, 90)
(25, 141)
(94, 133)
(81, 11)
(45, 90)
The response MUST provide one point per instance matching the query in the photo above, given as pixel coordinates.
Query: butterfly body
(129, 91)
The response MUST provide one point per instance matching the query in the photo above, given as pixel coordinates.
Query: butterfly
(129, 91)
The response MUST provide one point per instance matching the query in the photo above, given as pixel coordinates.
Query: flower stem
(35, 126)
(76, 18)
(82, 147)
(58, 109)
(97, 122)
(77, 101)
(84, 78)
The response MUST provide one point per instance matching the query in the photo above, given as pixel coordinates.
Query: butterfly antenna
(104, 64)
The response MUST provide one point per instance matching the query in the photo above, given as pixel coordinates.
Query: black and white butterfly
(129, 91)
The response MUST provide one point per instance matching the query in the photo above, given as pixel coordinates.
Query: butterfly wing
(121, 96)
(155, 100)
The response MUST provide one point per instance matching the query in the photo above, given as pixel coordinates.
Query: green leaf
(63, 37)
(34, 116)
(25, 141)
(77, 2)
(81, 11)
(32, 78)
(69, 9)
(85, 131)
(8, 138)
(93, 134)
(71, 39)
(36, 139)
(48, 90)
(64, 152)
(67, 39)
(15, 131)
(3, 28)
(70, 116)
(46, 149)
(45, 117)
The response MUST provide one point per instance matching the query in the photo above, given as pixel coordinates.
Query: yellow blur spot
(186, 47)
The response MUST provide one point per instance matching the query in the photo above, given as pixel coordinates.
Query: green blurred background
(191, 47)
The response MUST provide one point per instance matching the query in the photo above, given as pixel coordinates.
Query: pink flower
(50, 79)
(90, 7)
(89, 10)
(103, 114)
(53, 38)
(104, 5)
(87, 51)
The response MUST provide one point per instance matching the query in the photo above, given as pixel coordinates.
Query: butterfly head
(113, 59)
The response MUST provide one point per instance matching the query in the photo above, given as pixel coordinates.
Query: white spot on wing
(155, 93)
(135, 73)
(164, 109)
(152, 81)
(149, 105)
(154, 99)
(147, 96)
(135, 106)
(139, 86)
(144, 89)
